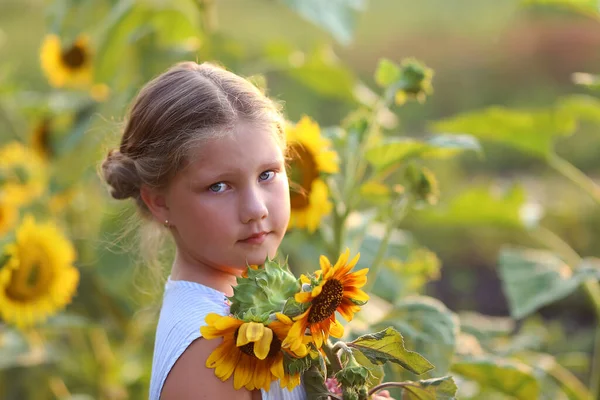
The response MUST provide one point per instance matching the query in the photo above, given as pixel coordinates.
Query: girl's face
(230, 206)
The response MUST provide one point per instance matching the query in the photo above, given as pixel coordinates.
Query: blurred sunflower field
(454, 144)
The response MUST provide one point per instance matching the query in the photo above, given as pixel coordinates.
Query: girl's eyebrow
(234, 170)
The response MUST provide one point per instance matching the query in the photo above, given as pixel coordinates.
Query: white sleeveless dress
(185, 305)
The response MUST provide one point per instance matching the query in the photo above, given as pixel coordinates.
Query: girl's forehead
(245, 143)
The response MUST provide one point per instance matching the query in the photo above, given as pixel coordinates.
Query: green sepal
(292, 308)
(265, 291)
(293, 365)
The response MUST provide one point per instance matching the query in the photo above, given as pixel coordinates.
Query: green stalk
(336, 364)
(573, 388)
(592, 289)
(574, 174)
(378, 261)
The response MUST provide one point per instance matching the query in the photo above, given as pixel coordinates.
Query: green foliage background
(450, 282)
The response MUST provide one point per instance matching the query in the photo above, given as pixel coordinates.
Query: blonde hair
(173, 114)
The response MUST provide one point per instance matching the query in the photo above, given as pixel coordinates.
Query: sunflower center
(41, 138)
(303, 172)
(325, 304)
(248, 348)
(74, 57)
(29, 280)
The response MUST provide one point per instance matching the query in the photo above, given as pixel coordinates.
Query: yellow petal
(295, 334)
(317, 290)
(242, 338)
(262, 346)
(277, 368)
(317, 335)
(221, 351)
(304, 279)
(354, 260)
(299, 349)
(284, 318)
(336, 329)
(227, 364)
(211, 318)
(325, 264)
(209, 332)
(356, 294)
(243, 372)
(255, 331)
(303, 297)
(343, 259)
(226, 323)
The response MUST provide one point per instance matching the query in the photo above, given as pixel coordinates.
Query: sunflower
(40, 139)
(309, 157)
(336, 289)
(9, 213)
(22, 173)
(39, 278)
(251, 351)
(69, 66)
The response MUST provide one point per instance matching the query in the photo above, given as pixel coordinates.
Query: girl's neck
(185, 269)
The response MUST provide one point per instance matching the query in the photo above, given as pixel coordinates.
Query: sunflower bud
(415, 79)
(410, 79)
(350, 394)
(422, 184)
(353, 374)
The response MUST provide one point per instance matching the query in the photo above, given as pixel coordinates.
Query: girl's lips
(257, 238)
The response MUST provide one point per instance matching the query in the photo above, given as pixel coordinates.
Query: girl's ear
(156, 203)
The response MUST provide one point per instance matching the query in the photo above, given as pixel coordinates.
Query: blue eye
(265, 176)
(217, 187)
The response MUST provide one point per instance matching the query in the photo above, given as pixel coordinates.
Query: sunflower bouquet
(279, 328)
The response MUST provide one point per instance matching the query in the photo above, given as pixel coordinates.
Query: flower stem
(381, 252)
(571, 172)
(592, 289)
(399, 209)
(336, 364)
(569, 383)
(384, 385)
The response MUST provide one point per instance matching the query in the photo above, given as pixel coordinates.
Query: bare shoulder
(190, 379)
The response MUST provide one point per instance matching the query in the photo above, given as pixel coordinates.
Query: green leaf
(530, 131)
(532, 279)
(509, 377)
(319, 70)
(388, 345)
(430, 389)
(581, 107)
(478, 206)
(314, 385)
(393, 152)
(325, 75)
(427, 326)
(387, 72)
(338, 17)
(585, 7)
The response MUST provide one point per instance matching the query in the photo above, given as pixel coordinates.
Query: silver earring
(166, 224)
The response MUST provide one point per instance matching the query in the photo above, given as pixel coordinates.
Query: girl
(203, 155)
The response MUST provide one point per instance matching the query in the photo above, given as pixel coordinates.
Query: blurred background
(483, 53)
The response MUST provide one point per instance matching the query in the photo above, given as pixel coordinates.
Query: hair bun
(120, 173)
